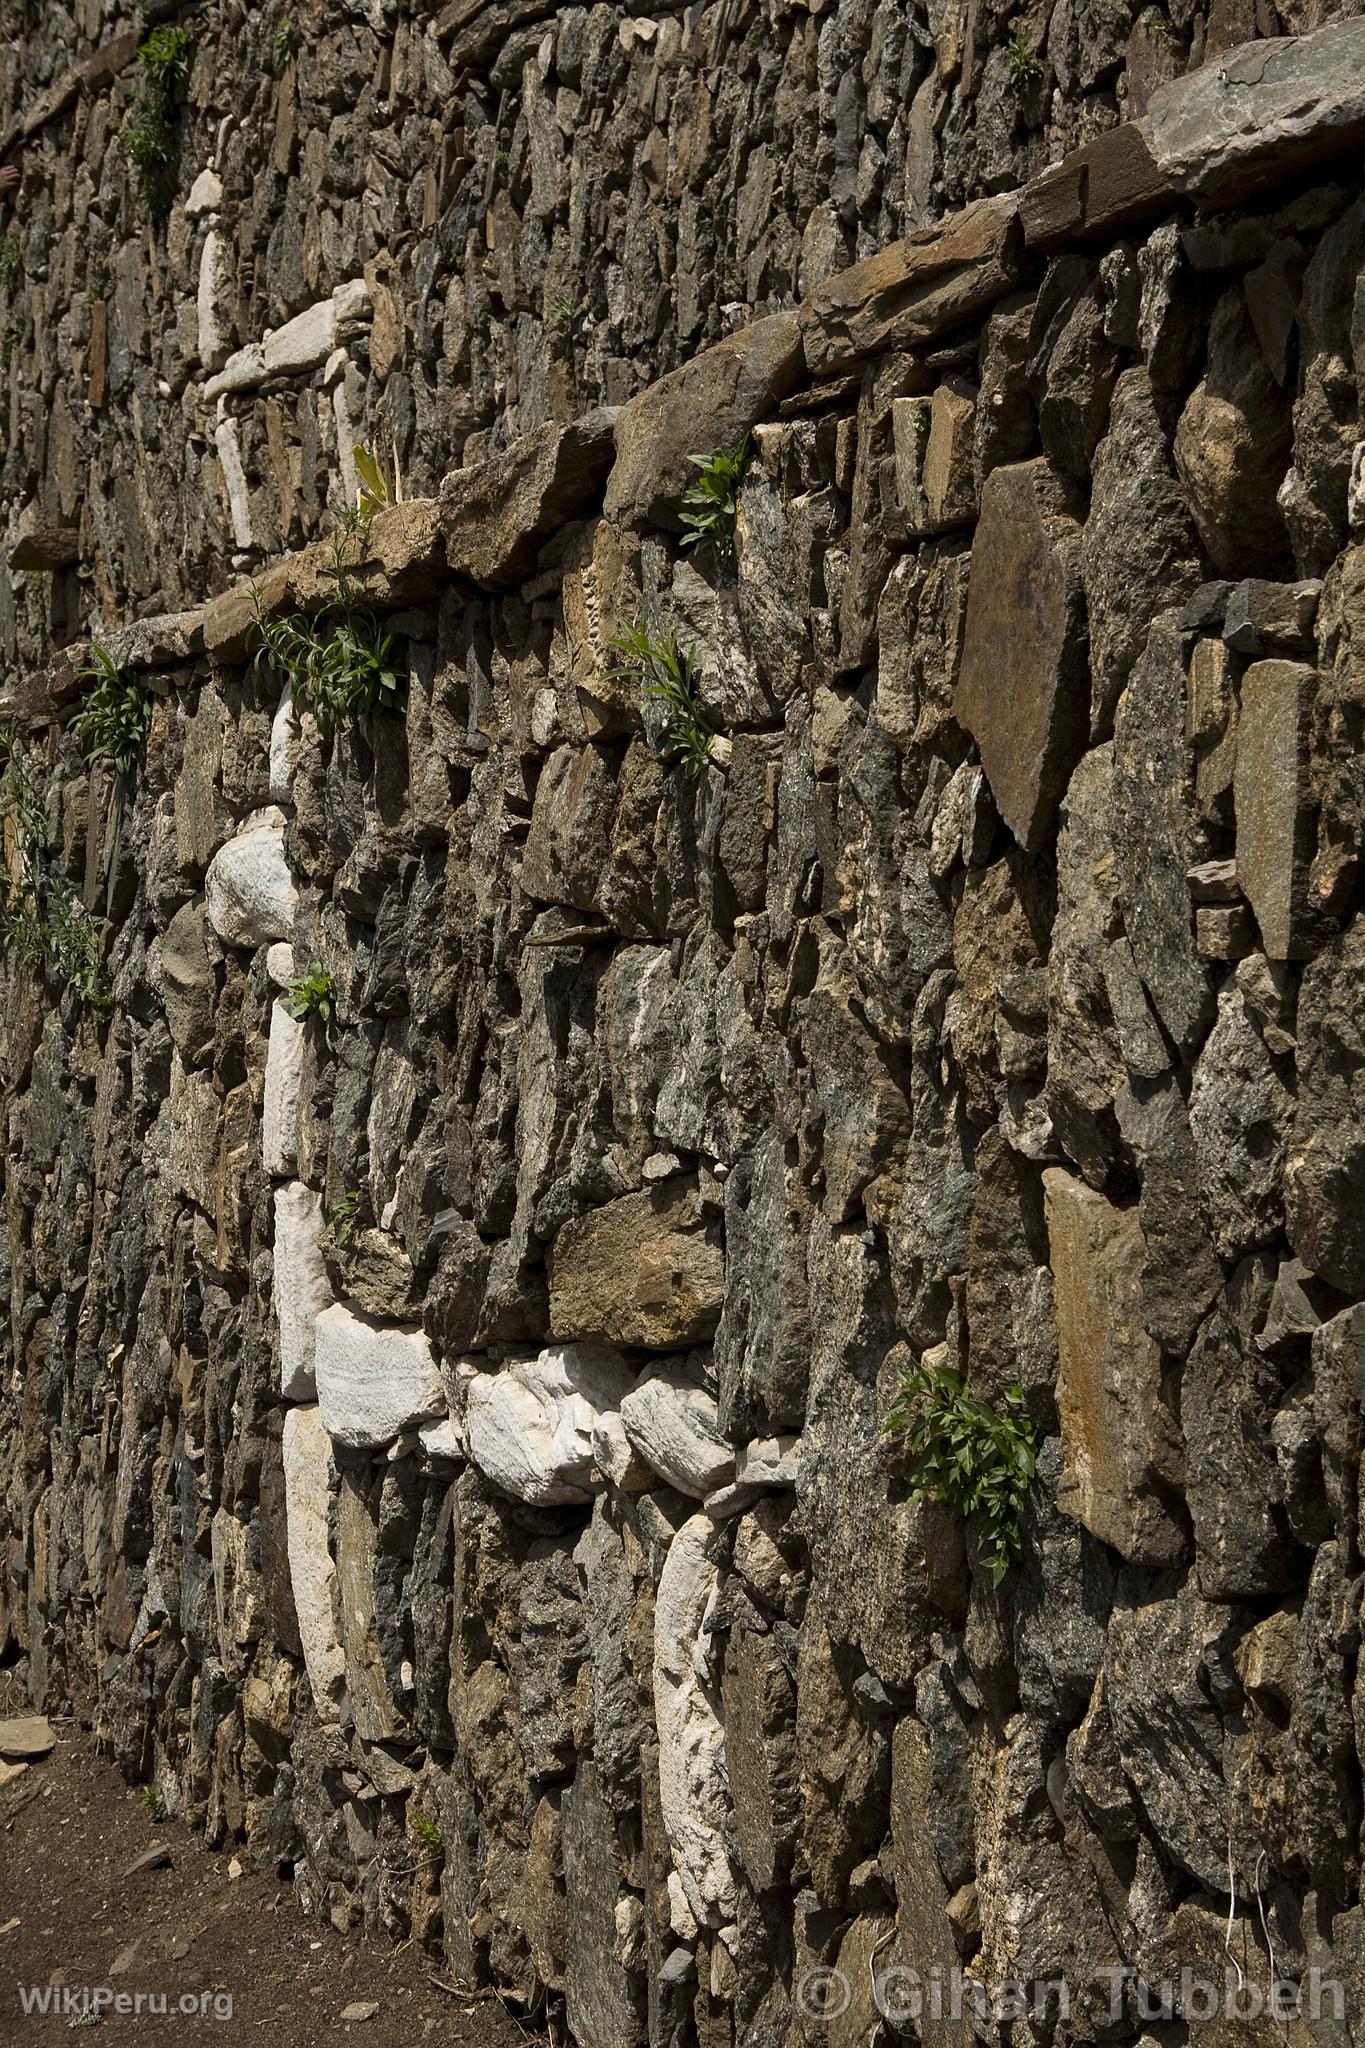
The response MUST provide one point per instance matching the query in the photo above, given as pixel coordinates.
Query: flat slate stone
(26, 1736)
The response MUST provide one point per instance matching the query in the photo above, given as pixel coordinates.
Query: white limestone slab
(249, 890)
(302, 1289)
(283, 1081)
(692, 1777)
(530, 1426)
(374, 1379)
(673, 1424)
(308, 1480)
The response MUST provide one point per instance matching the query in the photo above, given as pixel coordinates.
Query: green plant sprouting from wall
(115, 712)
(284, 44)
(667, 677)
(977, 1461)
(343, 1218)
(710, 506)
(1023, 61)
(154, 1801)
(427, 1834)
(148, 131)
(43, 921)
(311, 995)
(337, 660)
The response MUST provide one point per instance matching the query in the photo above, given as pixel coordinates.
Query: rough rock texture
(991, 994)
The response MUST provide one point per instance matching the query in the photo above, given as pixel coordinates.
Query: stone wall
(471, 1409)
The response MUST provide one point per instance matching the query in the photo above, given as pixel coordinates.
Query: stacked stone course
(475, 1406)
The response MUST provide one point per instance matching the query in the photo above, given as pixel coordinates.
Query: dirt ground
(72, 1914)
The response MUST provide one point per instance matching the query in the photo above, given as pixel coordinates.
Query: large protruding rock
(308, 1485)
(374, 1379)
(529, 1427)
(692, 1778)
(1259, 113)
(709, 403)
(934, 280)
(1024, 687)
(497, 513)
(645, 1269)
(1123, 1459)
(302, 1289)
(249, 889)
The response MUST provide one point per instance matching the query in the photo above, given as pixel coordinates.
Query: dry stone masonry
(469, 1409)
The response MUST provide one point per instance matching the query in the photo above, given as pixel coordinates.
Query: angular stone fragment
(949, 488)
(1265, 618)
(529, 1427)
(497, 513)
(1324, 1176)
(283, 1080)
(903, 296)
(1122, 1448)
(1258, 114)
(1155, 835)
(302, 1289)
(1229, 1392)
(374, 1380)
(692, 1777)
(1232, 447)
(1023, 687)
(45, 548)
(709, 403)
(1139, 552)
(602, 2000)
(187, 982)
(672, 1422)
(1109, 183)
(308, 1484)
(1271, 796)
(23, 1737)
(1240, 1112)
(249, 890)
(645, 1269)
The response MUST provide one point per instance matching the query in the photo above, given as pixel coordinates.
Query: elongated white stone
(692, 1780)
(374, 1379)
(283, 1080)
(302, 1289)
(308, 1476)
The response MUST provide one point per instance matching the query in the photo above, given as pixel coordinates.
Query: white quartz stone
(374, 1379)
(673, 1424)
(234, 477)
(284, 749)
(530, 1426)
(302, 1289)
(283, 1080)
(444, 1439)
(693, 1790)
(279, 964)
(769, 1461)
(614, 1457)
(205, 194)
(215, 279)
(308, 1475)
(250, 893)
(309, 338)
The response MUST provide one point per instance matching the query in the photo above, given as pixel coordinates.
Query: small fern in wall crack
(710, 506)
(978, 1462)
(115, 713)
(668, 678)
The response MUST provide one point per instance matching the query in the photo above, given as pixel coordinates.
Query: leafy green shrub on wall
(667, 677)
(710, 506)
(311, 995)
(148, 131)
(115, 713)
(338, 661)
(978, 1462)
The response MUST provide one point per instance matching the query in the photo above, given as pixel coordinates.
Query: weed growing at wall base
(963, 1452)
